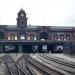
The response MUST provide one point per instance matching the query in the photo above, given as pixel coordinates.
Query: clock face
(22, 14)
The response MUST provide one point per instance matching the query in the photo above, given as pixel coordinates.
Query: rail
(50, 70)
(12, 67)
(65, 66)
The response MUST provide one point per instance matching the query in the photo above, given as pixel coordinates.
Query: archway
(44, 35)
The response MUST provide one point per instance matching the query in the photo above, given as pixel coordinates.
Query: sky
(39, 12)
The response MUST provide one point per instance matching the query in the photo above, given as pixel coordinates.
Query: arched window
(44, 35)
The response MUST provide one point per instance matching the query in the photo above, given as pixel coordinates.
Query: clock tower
(21, 19)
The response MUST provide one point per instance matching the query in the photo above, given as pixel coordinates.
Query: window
(35, 38)
(15, 37)
(22, 37)
(58, 39)
(68, 37)
(28, 37)
(12, 37)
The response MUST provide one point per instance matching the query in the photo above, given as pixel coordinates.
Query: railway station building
(23, 38)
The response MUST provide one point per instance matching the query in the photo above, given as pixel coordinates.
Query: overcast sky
(39, 12)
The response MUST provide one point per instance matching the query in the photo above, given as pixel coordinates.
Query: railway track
(22, 63)
(47, 69)
(65, 66)
(31, 64)
(27, 65)
(2, 58)
(66, 63)
(21, 67)
(12, 67)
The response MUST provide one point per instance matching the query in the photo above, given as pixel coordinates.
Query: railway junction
(37, 64)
